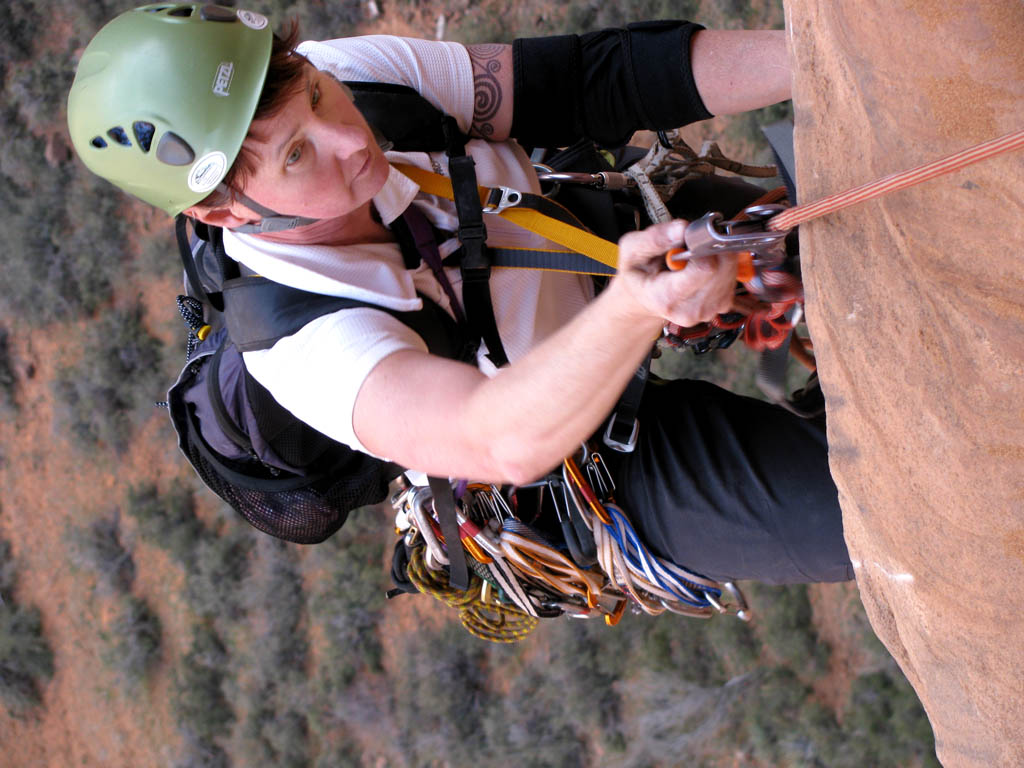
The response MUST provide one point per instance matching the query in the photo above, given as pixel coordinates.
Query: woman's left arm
(492, 91)
(732, 71)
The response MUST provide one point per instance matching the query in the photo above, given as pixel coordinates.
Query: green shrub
(783, 622)
(593, 15)
(66, 230)
(25, 658)
(440, 722)
(276, 593)
(134, 642)
(168, 519)
(348, 597)
(19, 19)
(213, 582)
(275, 737)
(198, 699)
(782, 725)
(707, 653)
(97, 547)
(8, 377)
(8, 574)
(346, 755)
(276, 727)
(887, 724)
(36, 77)
(197, 753)
(534, 726)
(112, 387)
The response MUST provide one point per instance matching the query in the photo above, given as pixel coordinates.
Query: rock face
(916, 307)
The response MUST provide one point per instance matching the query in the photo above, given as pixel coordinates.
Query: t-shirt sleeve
(440, 71)
(317, 373)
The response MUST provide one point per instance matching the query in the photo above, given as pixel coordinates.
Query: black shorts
(732, 487)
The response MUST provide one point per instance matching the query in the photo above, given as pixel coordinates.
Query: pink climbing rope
(791, 217)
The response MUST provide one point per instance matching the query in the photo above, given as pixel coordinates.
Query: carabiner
(711, 234)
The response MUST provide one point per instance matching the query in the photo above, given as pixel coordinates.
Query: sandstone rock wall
(916, 307)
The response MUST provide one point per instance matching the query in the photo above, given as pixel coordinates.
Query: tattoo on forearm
(487, 94)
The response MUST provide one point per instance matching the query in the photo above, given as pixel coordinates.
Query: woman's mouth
(363, 166)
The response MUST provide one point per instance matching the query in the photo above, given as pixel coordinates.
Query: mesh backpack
(282, 475)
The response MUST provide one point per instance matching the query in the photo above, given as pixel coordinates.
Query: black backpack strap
(260, 312)
(220, 411)
(476, 265)
(189, 251)
(399, 114)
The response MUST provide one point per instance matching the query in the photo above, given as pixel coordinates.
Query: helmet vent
(143, 134)
(217, 13)
(98, 142)
(182, 10)
(174, 150)
(118, 135)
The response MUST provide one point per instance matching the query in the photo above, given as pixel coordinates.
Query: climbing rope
(800, 214)
(489, 620)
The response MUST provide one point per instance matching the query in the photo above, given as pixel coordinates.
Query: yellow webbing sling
(545, 224)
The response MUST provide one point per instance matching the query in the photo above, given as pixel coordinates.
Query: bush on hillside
(276, 727)
(213, 581)
(198, 700)
(25, 658)
(780, 724)
(784, 624)
(66, 235)
(8, 574)
(97, 547)
(167, 520)
(134, 639)
(113, 386)
(8, 377)
(196, 753)
(887, 723)
(349, 598)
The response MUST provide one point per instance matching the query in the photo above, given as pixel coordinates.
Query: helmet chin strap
(272, 221)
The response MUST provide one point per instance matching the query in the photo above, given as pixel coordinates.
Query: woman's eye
(294, 156)
(316, 95)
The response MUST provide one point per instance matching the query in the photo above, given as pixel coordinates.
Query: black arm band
(604, 85)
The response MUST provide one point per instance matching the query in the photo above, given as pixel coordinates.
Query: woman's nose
(342, 138)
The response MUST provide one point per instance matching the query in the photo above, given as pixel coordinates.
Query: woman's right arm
(448, 419)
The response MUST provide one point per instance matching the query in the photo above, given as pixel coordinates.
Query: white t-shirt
(317, 373)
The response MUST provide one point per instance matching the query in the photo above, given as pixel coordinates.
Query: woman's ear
(216, 217)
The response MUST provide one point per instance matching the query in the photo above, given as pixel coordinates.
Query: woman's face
(317, 156)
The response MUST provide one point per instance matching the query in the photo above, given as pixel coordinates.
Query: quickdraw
(518, 576)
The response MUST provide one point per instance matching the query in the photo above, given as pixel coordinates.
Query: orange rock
(915, 307)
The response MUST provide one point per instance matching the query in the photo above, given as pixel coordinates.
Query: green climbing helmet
(164, 96)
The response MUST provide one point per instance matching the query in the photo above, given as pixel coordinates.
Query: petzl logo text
(222, 82)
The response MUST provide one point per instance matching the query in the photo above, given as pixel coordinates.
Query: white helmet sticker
(252, 20)
(207, 172)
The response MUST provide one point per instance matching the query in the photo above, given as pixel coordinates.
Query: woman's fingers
(698, 293)
(638, 250)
